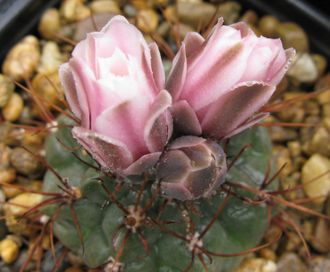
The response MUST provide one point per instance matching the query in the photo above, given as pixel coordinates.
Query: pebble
(280, 134)
(319, 189)
(147, 20)
(320, 62)
(321, 239)
(8, 175)
(197, 15)
(51, 58)
(19, 204)
(50, 23)
(303, 69)
(7, 88)
(13, 109)
(268, 26)
(23, 59)
(229, 11)
(320, 142)
(74, 10)
(9, 250)
(180, 30)
(290, 262)
(101, 6)
(320, 264)
(170, 14)
(293, 35)
(256, 265)
(324, 97)
(48, 87)
(24, 162)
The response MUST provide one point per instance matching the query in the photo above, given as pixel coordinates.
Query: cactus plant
(113, 223)
(155, 175)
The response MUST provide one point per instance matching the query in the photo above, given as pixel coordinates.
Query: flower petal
(159, 127)
(185, 120)
(157, 67)
(111, 154)
(235, 107)
(177, 75)
(68, 84)
(142, 165)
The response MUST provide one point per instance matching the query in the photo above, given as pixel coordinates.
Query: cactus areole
(143, 177)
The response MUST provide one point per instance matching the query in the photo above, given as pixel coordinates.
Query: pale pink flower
(114, 84)
(218, 84)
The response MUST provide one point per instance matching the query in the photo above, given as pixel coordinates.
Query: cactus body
(105, 228)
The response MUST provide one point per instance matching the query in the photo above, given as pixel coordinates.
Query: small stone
(13, 109)
(320, 143)
(250, 17)
(18, 205)
(7, 175)
(303, 69)
(74, 10)
(7, 88)
(294, 113)
(293, 35)
(5, 153)
(316, 182)
(147, 20)
(170, 14)
(280, 134)
(22, 60)
(324, 97)
(229, 11)
(282, 157)
(268, 254)
(323, 83)
(48, 87)
(290, 262)
(319, 264)
(9, 250)
(294, 148)
(195, 14)
(321, 63)
(256, 265)
(50, 23)
(51, 58)
(101, 6)
(268, 26)
(24, 162)
(321, 239)
(326, 110)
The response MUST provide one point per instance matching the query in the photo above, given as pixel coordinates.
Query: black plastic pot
(18, 18)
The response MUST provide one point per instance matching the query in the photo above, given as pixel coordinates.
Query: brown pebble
(24, 162)
(50, 23)
(268, 25)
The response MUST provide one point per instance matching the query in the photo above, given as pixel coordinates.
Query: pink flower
(114, 84)
(218, 84)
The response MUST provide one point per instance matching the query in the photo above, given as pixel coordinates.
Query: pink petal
(68, 84)
(276, 76)
(110, 153)
(185, 120)
(126, 122)
(177, 75)
(218, 69)
(235, 107)
(158, 128)
(142, 165)
(157, 67)
(193, 43)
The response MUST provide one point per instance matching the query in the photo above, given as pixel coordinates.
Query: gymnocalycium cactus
(145, 197)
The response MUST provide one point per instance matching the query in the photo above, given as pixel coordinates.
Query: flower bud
(191, 168)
